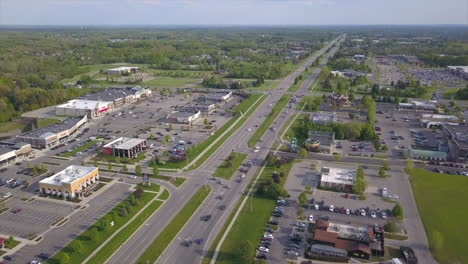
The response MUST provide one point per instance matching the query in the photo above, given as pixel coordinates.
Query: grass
(153, 187)
(47, 122)
(194, 151)
(450, 93)
(11, 126)
(395, 236)
(105, 252)
(250, 225)
(11, 244)
(86, 245)
(177, 181)
(440, 199)
(105, 179)
(164, 195)
(389, 253)
(275, 111)
(244, 118)
(267, 85)
(161, 242)
(2, 252)
(224, 170)
(388, 200)
(170, 82)
(85, 146)
(295, 87)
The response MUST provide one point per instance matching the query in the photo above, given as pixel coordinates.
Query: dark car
(205, 218)
(262, 256)
(44, 256)
(222, 207)
(273, 222)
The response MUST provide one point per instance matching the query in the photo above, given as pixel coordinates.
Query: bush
(123, 212)
(397, 211)
(391, 227)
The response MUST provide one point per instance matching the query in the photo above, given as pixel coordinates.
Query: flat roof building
(182, 117)
(457, 138)
(11, 153)
(123, 70)
(461, 71)
(433, 120)
(338, 179)
(124, 147)
(72, 181)
(320, 141)
(203, 108)
(119, 95)
(323, 118)
(419, 105)
(219, 97)
(89, 108)
(52, 135)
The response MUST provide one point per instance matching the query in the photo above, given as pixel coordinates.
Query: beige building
(70, 182)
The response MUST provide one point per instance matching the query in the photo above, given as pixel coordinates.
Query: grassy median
(117, 241)
(78, 249)
(163, 240)
(441, 201)
(230, 165)
(275, 111)
(85, 146)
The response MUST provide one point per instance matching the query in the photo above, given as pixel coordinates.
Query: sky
(232, 12)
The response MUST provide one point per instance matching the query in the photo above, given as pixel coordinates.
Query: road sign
(145, 178)
(293, 144)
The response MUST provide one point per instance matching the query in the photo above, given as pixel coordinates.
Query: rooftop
(124, 143)
(325, 138)
(459, 134)
(124, 68)
(182, 114)
(324, 117)
(440, 117)
(69, 175)
(350, 232)
(85, 104)
(113, 93)
(338, 175)
(53, 129)
(5, 149)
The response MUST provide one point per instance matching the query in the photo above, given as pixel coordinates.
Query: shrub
(391, 227)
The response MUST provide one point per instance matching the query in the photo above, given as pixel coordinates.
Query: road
(194, 229)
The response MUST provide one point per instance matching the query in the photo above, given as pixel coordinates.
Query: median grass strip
(106, 252)
(77, 250)
(194, 151)
(163, 240)
(440, 199)
(275, 111)
(152, 187)
(229, 134)
(164, 195)
(85, 146)
(250, 224)
(230, 165)
(177, 181)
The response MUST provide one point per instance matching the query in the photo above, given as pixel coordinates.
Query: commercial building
(72, 181)
(11, 153)
(90, 108)
(357, 241)
(54, 134)
(419, 105)
(433, 120)
(427, 153)
(119, 95)
(123, 70)
(321, 141)
(338, 179)
(182, 117)
(338, 99)
(204, 108)
(457, 138)
(461, 71)
(124, 147)
(215, 98)
(323, 118)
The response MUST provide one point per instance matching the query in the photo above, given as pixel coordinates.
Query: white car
(263, 249)
(317, 207)
(268, 236)
(256, 150)
(384, 215)
(373, 215)
(300, 224)
(132, 177)
(293, 253)
(363, 212)
(242, 176)
(347, 211)
(332, 208)
(310, 218)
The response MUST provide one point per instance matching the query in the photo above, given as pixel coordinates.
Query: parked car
(311, 218)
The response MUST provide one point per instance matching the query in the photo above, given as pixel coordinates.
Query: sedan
(373, 215)
(263, 249)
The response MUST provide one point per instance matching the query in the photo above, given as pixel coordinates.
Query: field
(11, 126)
(440, 199)
(450, 93)
(230, 165)
(158, 246)
(47, 122)
(275, 111)
(163, 82)
(250, 224)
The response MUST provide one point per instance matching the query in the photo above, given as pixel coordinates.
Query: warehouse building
(321, 141)
(50, 136)
(125, 147)
(11, 153)
(71, 182)
(457, 138)
(338, 179)
(123, 70)
(182, 117)
(90, 108)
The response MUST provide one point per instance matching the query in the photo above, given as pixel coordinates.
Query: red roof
(2, 240)
(322, 225)
(324, 236)
(350, 245)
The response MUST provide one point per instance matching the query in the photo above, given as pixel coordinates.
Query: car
(348, 212)
(300, 224)
(373, 215)
(268, 236)
(363, 212)
(8, 257)
(35, 262)
(205, 218)
(384, 215)
(256, 150)
(317, 207)
(277, 214)
(293, 253)
(222, 207)
(44, 256)
(132, 177)
(273, 222)
(17, 211)
(261, 256)
(311, 218)
(332, 207)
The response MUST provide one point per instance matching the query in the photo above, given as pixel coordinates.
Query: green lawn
(441, 199)
(267, 85)
(450, 93)
(170, 82)
(161, 242)
(250, 224)
(47, 122)
(118, 240)
(224, 170)
(85, 146)
(177, 181)
(11, 126)
(153, 187)
(78, 249)
(275, 111)
(298, 85)
(11, 244)
(164, 195)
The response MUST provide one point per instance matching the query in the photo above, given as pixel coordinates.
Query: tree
(167, 137)
(302, 198)
(77, 246)
(151, 136)
(308, 187)
(246, 251)
(109, 166)
(275, 191)
(43, 168)
(303, 153)
(125, 168)
(386, 165)
(382, 172)
(155, 171)
(138, 193)
(271, 159)
(35, 170)
(93, 234)
(391, 227)
(206, 122)
(138, 170)
(397, 211)
(104, 224)
(123, 212)
(95, 163)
